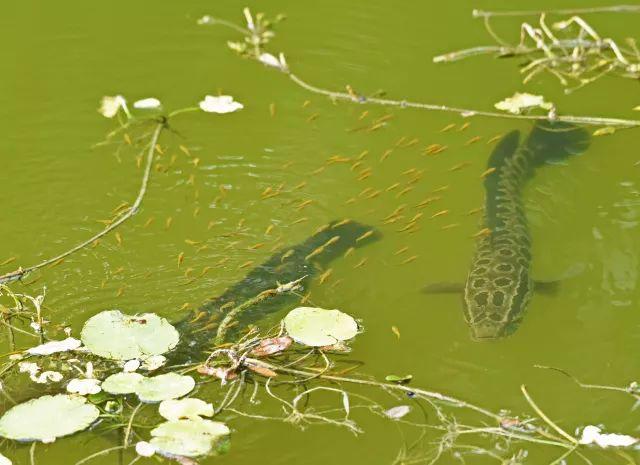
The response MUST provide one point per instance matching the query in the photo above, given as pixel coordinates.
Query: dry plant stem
(397, 387)
(565, 11)
(127, 433)
(547, 420)
(22, 272)
(586, 120)
(234, 312)
(98, 454)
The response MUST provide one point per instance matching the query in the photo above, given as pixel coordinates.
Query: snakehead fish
(499, 285)
(307, 258)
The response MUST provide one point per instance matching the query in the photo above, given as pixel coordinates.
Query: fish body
(499, 284)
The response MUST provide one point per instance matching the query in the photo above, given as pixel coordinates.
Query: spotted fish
(499, 284)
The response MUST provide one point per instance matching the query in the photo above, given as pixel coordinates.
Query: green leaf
(164, 387)
(47, 418)
(188, 438)
(399, 379)
(114, 335)
(317, 327)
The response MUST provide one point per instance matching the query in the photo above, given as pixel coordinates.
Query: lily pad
(47, 418)
(185, 408)
(164, 387)
(114, 335)
(122, 383)
(318, 327)
(188, 438)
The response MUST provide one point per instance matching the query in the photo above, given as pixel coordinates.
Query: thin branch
(547, 420)
(566, 11)
(22, 272)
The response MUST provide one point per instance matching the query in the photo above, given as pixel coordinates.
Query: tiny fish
(440, 213)
(396, 331)
(324, 276)
(246, 264)
(482, 232)
(269, 229)
(487, 172)
(386, 154)
(365, 235)
(118, 238)
(450, 226)
(459, 166)
(349, 251)
(464, 126)
(300, 185)
(256, 246)
(401, 251)
(180, 259)
(409, 260)
(473, 140)
(448, 127)
(286, 255)
(272, 109)
(303, 204)
(360, 263)
(363, 154)
(167, 223)
(313, 117)
(494, 139)
(392, 187)
(341, 223)
(404, 191)
(299, 220)
(475, 210)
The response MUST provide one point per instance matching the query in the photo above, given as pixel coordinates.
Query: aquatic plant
(259, 31)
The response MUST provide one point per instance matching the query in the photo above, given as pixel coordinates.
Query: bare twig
(22, 272)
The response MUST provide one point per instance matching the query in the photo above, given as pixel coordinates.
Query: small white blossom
(519, 102)
(47, 376)
(221, 104)
(145, 449)
(28, 367)
(111, 105)
(84, 386)
(147, 104)
(67, 331)
(591, 434)
(131, 365)
(36, 326)
(53, 347)
(247, 14)
(270, 60)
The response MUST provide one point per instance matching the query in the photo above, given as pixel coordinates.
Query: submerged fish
(286, 265)
(499, 285)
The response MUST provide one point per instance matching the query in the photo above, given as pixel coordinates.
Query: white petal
(591, 434)
(5, 461)
(206, 19)
(111, 105)
(220, 104)
(131, 365)
(53, 347)
(144, 449)
(150, 103)
(269, 60)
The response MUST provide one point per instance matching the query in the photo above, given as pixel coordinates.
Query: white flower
(4, 460)
(591, 434)
(36, 326)
(247, 15)
(144, 449)
(131, 365)
(84, 386)
(28, 367)
(52, 347)
(150, 103)
(221, 104)
(153, 362)
(523, 101)
(111, 105)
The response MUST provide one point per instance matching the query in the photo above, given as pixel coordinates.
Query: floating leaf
(145, 449)
(114, 335)
(519, 102)
(187, 438)
(399, 379)
(4, 460)
(47, 418)
(185, 408)
(398, 412)
(271, 346)
(122, 383)
(318, 327)
(164, 387)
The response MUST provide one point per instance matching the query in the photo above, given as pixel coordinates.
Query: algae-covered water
(61, 58)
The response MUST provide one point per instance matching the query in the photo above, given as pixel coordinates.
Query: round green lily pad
(114, 335)
(47, 418)
(164, 387)
(122, 383)
(188, 438)
(318, 327)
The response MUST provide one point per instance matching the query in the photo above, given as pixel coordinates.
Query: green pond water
(61, 58)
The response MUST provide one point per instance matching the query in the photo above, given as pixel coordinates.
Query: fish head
(495, 300)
